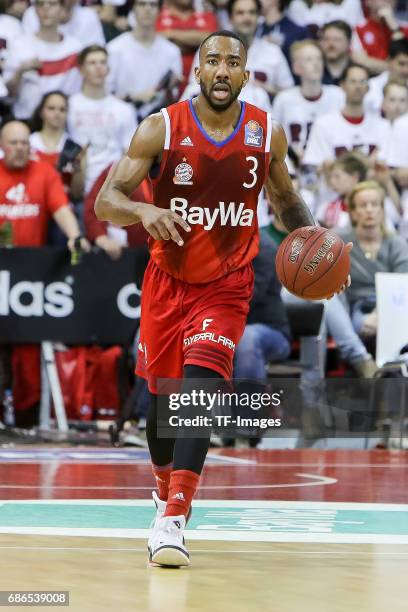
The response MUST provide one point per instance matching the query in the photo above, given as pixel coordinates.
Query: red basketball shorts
(184, 324)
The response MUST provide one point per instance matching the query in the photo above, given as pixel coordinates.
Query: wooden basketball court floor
(282, 531)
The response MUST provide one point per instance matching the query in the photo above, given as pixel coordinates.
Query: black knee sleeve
(190, 453)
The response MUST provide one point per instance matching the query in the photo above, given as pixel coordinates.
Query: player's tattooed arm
(113, 202)
(285, 201)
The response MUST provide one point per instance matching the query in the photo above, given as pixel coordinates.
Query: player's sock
(183, 485)
(162, 476)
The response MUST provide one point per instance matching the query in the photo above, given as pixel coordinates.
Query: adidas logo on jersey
(187, 142)
(16, 193)
(231, 214)
(179, 496)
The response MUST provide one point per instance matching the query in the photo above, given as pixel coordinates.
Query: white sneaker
(166, 542)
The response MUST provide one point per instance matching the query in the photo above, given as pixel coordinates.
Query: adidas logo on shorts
(187, 142)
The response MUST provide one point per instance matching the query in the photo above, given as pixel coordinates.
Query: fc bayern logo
(183, 174)
(253, 126)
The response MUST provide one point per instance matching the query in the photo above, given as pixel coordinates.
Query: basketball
(312, 263)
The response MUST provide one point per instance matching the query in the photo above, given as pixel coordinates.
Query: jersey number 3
(252, 171)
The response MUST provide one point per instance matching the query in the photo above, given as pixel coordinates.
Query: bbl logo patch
(183, 174)
(253, 134)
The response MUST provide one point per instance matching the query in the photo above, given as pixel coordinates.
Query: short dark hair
(343, 26)
(398, 47)
(231, 4)
(350, 67)
(88, 50)
(353, 163)
(225, 34)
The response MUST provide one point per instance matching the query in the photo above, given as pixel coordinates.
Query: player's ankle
(183, 485)
(162, 476)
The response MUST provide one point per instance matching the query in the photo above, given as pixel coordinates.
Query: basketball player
(208, 159)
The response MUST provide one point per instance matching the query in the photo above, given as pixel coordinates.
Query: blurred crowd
(77, 78)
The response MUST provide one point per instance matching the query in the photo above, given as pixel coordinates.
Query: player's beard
(222, 106)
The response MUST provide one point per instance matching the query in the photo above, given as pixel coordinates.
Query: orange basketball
(312, 262)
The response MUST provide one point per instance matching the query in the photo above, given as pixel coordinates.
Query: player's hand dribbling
(161, 224)
(349, 246)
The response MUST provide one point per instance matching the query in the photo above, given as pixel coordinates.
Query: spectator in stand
(80, 22)
(180, 23)
(374, 250)
(144, 66)
(49, 137)
(348, 129)
(10, 28)
(97, 120)
(221, 12)
(335, 39)
(266, 63)
(48, 126)
(31, 192)
(298, 107)
(277, 28)
(397, 150)
(395, 102)
(372, 44)
(16, 8)
(397, 72)
(42, 62)
(112, 238)
(395, 154)
(316, 13)
(345, 173)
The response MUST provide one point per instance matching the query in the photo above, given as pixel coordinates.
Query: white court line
(322, 464)
(225, 536)
(137, 462)
(233, 460)
(317, 481)
(220, 503)
(349, 552)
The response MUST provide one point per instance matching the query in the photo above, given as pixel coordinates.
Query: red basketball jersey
(214, 186)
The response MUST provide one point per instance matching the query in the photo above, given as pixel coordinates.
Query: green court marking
(292, 518)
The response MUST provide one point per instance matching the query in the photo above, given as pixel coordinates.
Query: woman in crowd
(49, 137)
(375, 250)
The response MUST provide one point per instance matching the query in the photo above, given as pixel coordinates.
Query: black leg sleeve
(190, 453)
(161, 449)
